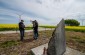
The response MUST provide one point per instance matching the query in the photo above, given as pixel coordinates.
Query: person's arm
(33, 24)
(20, 25)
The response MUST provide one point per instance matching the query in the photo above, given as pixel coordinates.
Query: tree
(72, 22)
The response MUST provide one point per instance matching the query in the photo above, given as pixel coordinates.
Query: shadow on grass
(28, 40)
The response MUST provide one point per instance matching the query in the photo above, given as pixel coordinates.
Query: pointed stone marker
(57, 44)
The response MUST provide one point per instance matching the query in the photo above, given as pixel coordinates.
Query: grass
(8, 44)
(76, 40)
(9, 47)
(28, 28)
(47, 26)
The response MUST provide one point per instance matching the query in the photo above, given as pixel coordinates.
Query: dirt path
(5, 32)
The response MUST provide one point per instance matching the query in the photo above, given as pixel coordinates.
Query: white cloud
(53, 10)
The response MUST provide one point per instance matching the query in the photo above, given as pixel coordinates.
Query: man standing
(35, 29)
(21, 28)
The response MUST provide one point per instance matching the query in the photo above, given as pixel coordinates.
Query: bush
(72, 22)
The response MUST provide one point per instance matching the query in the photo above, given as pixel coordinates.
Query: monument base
(39, 50)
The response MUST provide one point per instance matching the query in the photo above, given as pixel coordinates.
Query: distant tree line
(72, 22)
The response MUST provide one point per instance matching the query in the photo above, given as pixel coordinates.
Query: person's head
(34, 20)
(22, 20)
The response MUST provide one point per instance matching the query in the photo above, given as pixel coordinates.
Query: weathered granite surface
(57, 44)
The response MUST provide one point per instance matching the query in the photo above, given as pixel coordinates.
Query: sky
(46, 12)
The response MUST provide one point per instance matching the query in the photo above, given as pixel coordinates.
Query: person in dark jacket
(35, 29)
(21, 28)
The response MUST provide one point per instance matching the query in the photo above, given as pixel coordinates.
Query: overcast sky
(44, 11)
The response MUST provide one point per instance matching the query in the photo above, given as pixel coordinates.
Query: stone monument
(57, 43)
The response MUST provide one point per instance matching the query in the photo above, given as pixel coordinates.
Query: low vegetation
(47, 26)
(76, 40)
(72, 22)
(8, 27)
(75, 28)
(69, 28)
(12, 27)
(10, 44)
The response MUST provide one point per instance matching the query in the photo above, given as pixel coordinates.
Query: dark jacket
(21, 26)
(35, 25)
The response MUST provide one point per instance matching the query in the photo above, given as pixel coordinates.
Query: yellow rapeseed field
(69, 28)
(75, 28)
(8, 25)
